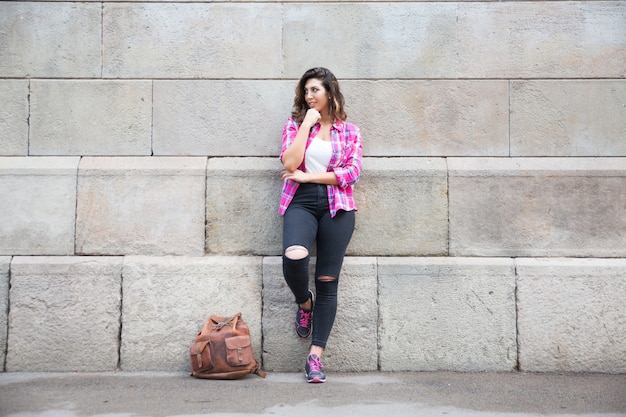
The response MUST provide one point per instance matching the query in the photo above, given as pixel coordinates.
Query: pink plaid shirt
(345, 163)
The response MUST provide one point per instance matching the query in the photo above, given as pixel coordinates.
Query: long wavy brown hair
(330, 83)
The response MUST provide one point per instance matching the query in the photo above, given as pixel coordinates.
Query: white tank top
(317, 156)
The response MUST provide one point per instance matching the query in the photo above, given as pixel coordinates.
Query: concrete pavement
(124, 394)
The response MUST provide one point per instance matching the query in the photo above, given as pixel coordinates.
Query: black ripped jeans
(307, 221)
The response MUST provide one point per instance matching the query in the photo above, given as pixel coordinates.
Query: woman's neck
(325, 120)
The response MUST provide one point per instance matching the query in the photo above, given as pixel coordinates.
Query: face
(315, 95)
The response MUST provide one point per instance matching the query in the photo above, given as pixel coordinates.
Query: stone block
(74, 117)
(547, 39)
(217, 40)
(352, 345)
(242, 206)
(64, 314)
(430, 118)
(13, 117)
(495, 40)
(447, 313)
(5, 263)
(402, 208)
(136, 205)
(38, 205)
(41, 39)
(397, 40)
(571, 315)
(537, 207)
(205, 117)
(167, 300)
(568, 118)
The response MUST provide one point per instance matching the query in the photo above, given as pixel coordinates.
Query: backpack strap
(258, 371)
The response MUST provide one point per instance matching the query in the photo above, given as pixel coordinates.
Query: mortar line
(28, 117)
(76, 207)
(508, 113)
(101, 40)
(517, 348)
(206, 199)
(448, 198)
(8, 311)
(262, 309)
(291, 79)
(152, 118)
(119, 333)
(282, 41)
(378, 341)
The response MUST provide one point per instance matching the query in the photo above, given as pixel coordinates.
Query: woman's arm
(328, 178)
(293, 155)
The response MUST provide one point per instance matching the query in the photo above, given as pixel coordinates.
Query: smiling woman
(322, 155)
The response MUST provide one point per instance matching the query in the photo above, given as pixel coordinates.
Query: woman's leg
(333, 237)
(299, 231)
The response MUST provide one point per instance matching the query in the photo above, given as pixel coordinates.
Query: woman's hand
(312, 116)
(297, 176)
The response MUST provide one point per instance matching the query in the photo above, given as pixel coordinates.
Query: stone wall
(139, 181)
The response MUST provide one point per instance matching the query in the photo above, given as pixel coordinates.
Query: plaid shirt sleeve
(290, 130)
(346, 163)
(289, 187)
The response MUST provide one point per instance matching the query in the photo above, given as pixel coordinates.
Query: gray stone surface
(544, 39)
(430, 118)
(242, 206)
(447, 313)
(537, 207)
(64, 314)
(217, 40)
(5, 262)
(580, 118)
(13, 117)
(353, 342)
(428, 40)
(402, 208)
(397, 40)
(40, 39)
(167, 300)
(220, 118)
(137, 205)
(445, 40)
(571, 315)
(73, 117)
(37, 205)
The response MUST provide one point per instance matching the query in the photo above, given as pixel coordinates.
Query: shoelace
(315, 365)
(305, 318)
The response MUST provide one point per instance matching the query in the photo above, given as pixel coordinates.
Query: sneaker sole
(303, 337)
(316, 380)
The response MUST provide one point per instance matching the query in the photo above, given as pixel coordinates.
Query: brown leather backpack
(222, 350)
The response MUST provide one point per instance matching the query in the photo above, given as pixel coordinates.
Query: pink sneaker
(304, 320)
(313, 369)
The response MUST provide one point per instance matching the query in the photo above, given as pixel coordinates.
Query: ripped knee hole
(326, 278)
(296, 252)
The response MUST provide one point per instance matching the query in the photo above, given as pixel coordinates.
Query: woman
(321, 154)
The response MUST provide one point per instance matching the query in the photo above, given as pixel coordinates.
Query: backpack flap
(239, 351)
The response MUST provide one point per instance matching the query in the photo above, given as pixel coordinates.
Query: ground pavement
(389, 394)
